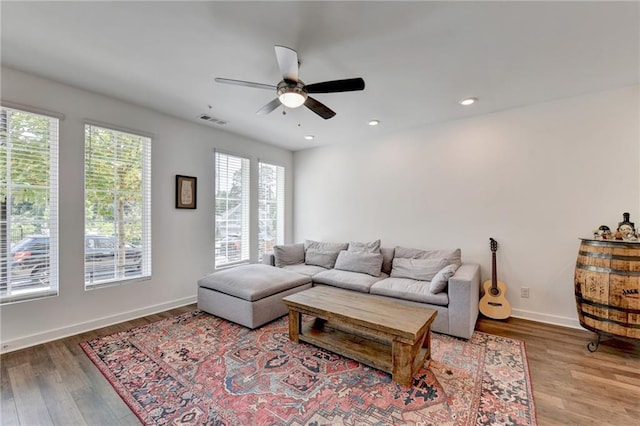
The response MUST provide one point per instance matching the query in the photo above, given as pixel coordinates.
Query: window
(231, 209)
(270, 207)
(117, 193)
(28, 205)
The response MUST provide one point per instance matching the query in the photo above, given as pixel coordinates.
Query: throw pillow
(439, 282)
(326, 259)
(288, 254)
(417, 269)
(369, 247)
(366, 263)
(453, 255)
(321, 253)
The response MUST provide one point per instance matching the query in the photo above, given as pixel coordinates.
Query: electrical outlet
(524, 292)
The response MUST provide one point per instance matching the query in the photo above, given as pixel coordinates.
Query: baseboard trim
(547, 319)
(60, 333)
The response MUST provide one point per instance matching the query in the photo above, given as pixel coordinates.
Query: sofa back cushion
(452, 255)
(417, 269)
(322, 253)
(359, 261)
(288, 254)
(368, 247)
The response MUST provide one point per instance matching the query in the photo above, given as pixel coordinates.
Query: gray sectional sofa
(437, 279)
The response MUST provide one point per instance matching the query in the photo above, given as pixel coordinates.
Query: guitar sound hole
(494, 291)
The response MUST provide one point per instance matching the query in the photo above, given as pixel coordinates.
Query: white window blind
(117, 185)
(28, 205)
(231, 209)
(270, 207)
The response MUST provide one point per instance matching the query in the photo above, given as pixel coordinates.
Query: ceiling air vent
(213, 120)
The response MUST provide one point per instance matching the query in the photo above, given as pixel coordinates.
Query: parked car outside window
(30, 259)
(229, 247)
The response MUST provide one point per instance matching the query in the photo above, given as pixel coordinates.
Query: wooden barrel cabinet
(607, 288)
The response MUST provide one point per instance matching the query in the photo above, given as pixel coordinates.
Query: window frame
(251, 230)
(280, 203)
(10, 295)
(145, 267)
(245, 220)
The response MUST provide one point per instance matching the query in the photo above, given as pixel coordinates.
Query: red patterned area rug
(198, 369)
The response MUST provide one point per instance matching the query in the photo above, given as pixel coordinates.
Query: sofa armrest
(464, 294)
(269, 259)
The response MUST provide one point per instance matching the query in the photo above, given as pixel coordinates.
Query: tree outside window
(28, 205)
(117, 205)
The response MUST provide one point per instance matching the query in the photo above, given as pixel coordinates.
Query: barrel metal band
(623, 324)
(609, 256)
(607, 270)
(611, 243)
(584, 301)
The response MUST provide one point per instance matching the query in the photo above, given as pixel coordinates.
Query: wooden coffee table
(375, 330)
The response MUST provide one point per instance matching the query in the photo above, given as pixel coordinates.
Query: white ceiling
(417, 58)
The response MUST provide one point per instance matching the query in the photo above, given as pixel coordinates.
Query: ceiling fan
(292, 92)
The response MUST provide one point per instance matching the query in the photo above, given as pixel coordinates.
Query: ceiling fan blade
(269, 107)
(245, 83)
(347, 85)
(319, 108)
(287, 62)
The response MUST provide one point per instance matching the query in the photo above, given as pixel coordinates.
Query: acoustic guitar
(493, 303)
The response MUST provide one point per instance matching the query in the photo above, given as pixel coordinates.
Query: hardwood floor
(56, 384)
(572, 386)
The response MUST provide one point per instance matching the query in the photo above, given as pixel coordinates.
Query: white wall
(534, 178)
(183, 240)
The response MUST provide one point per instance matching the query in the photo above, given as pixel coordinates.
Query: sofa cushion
(252, 282)
(417, 269)
(408, 289)
(304, 269)
(368, 247)
(288, 254)
(356, 281)
(321, 253)
(440, 281)
(359, 261)
(452, 256)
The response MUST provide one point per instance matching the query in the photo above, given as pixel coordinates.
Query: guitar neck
(494, 273)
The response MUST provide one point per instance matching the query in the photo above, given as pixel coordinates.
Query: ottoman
(249, 295)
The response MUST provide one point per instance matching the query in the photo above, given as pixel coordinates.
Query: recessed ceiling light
(309, 137)
(374, 122)
(468, 101)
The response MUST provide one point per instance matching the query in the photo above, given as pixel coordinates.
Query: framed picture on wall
(186, 192)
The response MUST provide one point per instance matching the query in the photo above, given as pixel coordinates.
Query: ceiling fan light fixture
(292, 95)
(292, 99)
